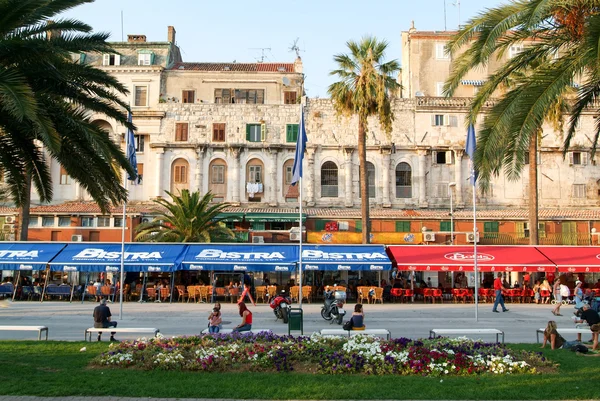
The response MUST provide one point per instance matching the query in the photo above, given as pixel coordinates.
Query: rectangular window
(255, 174)
(219, 132)
(64, 177)
(87, 221)
(440, 52)
(254, 132)
(289, 97)
(437, 120)
(291, 132)
(223, 96)
(441, 157)
(445, 226)
(218, 174)
(289, 174)
(140, 171)
(34, 221)
(64, 221)
(250, 96)
(145, 59)
(103, 221)
(579, 191)
(180, 175)
(111, 59)
(439, 89)
(48, 221)
(258, 226)
(141, 96)
(139, 143)
(118, 222)
(403, 226)
(491, 229)
(453, 121)
(578, 158)
(188, 96)
(181, 132)
(514, 50)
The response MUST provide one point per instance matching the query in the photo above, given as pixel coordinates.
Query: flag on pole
(470, 149)
(131, 156)
(300, 146)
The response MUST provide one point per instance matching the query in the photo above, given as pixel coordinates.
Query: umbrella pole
(15, 285)
(172, 285)
(45, 285)
(143, 289)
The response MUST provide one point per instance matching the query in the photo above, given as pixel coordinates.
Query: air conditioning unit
(146, 219)
(10, 237)
(295, 236)
(471, 237)
(10, 220)
(429, 237)
(77, 238)
(343, 225)
(8, 228)
(258, 239)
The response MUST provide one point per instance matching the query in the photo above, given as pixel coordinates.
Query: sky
(244, 31)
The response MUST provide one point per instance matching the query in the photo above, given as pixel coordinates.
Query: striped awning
(472, 82)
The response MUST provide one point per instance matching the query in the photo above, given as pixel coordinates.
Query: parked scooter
(281, 305)
(334, 305)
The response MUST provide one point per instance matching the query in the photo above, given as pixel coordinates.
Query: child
(214, 320)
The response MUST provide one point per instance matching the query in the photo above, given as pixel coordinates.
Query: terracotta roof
(91, 207)
(236, 67)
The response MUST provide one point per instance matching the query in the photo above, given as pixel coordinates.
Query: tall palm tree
(188, 217)
(46, 100)
(563, 39)
(365, 89)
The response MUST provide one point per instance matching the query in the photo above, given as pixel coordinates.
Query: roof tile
(236, 67)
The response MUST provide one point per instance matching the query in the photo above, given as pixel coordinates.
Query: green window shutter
(291, 132)
(152, 58)
(403, 226)
(358, 226)
(520, 229)
(247, 132)
(320, 225)
(541, 230)
(81, 58)
(258, 225)
(445, 226)
(491, 229)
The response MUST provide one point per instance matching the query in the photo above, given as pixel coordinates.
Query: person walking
(102, 319)
(557, 297)
(499, 287)
(592, 318)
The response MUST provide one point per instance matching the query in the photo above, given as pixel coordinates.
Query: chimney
(298, 65)
(136, 38)
(171, 35)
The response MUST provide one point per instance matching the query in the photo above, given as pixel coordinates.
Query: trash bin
(296, 320)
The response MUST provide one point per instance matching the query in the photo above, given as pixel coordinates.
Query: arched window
(329, 180)
(180, 175)
(371, 175)
(403, 181)
(217, 183)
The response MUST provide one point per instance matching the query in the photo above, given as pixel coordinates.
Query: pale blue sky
(223, 31)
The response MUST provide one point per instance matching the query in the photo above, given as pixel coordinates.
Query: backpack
(564, 290)
(579, 348)
(347, 325)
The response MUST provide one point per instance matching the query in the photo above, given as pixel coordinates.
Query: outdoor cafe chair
(191, 290)
(427, 293)
(220, 292)
(151, 291)
(261, 292)
(234, 293)
(363, 294)
(437, 293)
(378, 295)
(408, 295)
(164, 294)
(182, 293)
(307, 293)
(396, 293)
(294, 293)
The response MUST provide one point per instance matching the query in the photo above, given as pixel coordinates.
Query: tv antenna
(295, 48)
(262, 52)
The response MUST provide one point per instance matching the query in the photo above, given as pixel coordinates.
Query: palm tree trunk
(364, 180)
(25, 209)
(533, 192)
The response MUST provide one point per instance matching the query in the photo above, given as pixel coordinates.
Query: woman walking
(557, 297)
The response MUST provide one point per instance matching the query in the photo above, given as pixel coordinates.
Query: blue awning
(241, 257)
(99, 257)
(27, 255)
(344, 257)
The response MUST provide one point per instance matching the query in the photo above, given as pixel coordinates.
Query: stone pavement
(68, 321)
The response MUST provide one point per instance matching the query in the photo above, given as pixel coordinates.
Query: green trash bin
(296, 320)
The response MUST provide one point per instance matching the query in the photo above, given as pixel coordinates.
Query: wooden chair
(234, 293)
(437, 294)
(307, 293)
(191, 292)
(182, 293)
(204, 292)
(91, 291)
(151, 291)
(220, 292)
(272, 291)
(378, 295)
(164, 293)
(106, 291)
(362, 295)
(294, 293)
(261, 292)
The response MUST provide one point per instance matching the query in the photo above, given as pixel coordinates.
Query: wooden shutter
(263, 132)
(289, 97)
(117, 59)
(106, 59)
(181, 132)
(248, 132)
(152, 58)
(219, 132)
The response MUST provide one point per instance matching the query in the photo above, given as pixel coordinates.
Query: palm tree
(365, 87)
(186, 218)
(46, 100)
(565, 36)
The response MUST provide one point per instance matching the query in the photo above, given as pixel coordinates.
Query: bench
(229, 331)
(39, 329)
(133, 330)
(444, 332)
(351, 333)
(565, 330)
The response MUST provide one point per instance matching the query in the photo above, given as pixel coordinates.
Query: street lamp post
(451, 186)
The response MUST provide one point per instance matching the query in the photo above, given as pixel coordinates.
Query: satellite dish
(286, 81)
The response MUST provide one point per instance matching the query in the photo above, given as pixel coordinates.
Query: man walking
(499, 287)
(102, 319)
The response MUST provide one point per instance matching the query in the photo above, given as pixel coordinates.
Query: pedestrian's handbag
(347, 325)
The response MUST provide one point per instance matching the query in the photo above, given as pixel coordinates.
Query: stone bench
(229, 331)
(565, 330)
(133, 330)
(351, 333)
(445, 332)
(39, 329)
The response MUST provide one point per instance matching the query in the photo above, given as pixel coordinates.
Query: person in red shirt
(499, 287)
(246, 315)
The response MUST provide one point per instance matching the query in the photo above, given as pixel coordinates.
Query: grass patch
(60, 369)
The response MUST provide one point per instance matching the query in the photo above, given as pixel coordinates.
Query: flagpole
(297, 180)
(476, 297)
(300, 245)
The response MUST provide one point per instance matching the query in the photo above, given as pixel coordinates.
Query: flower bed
(318, 354)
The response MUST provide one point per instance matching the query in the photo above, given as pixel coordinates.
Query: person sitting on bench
(358, 318)
(102, 319)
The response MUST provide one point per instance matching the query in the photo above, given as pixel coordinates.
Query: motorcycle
(333, 309)
(281, 305)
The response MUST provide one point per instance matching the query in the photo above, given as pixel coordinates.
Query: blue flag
(131, 156)
(470, 149)
(300, 147)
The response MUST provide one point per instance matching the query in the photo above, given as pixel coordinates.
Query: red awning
(574, 259)
(460, 258)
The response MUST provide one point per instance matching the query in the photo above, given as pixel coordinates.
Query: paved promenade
(68, 321)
